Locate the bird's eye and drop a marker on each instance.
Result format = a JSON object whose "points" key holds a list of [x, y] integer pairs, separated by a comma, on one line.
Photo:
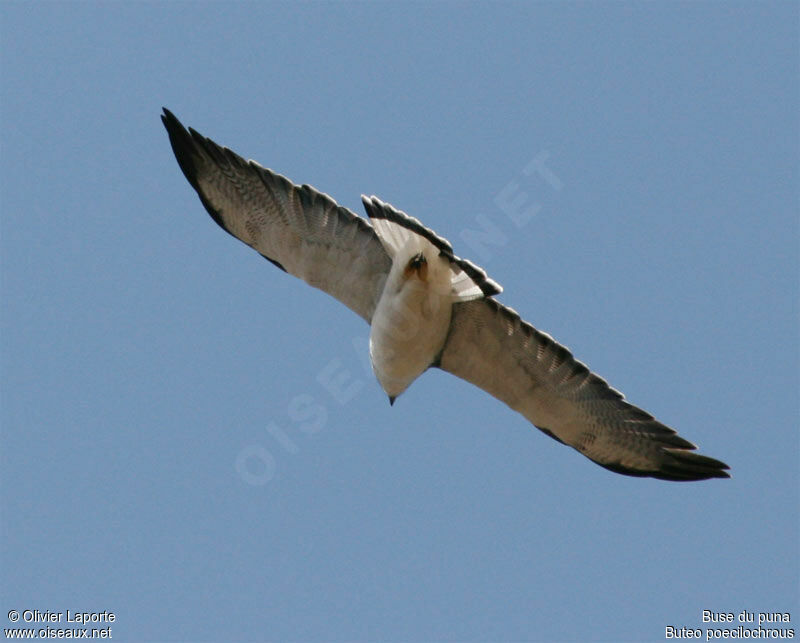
{"points": [[417, 260]]}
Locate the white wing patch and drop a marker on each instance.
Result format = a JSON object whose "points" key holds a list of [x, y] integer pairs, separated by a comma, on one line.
{"points": [[393, 236], [464, 288]]}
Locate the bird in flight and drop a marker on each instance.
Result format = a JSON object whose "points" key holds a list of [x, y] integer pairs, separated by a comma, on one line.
{"points": [[428, 308]]}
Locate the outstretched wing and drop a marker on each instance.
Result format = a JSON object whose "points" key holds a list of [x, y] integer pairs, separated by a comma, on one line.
{"points": [[300, 230], [490, 346]]}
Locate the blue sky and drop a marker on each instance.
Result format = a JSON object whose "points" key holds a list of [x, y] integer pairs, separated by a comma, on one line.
{"points": [[155, 460]]}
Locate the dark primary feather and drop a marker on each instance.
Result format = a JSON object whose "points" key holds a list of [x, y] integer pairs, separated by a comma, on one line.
{"points": [[299, 229]]}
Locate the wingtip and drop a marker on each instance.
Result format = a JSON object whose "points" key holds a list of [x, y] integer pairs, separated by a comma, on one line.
{"points": [[182, 146], [695, 466], [681, 465], [168, 118], [192, 150]]}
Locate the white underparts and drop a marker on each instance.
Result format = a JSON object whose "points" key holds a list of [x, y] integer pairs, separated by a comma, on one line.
{"points": [[412, 318]]}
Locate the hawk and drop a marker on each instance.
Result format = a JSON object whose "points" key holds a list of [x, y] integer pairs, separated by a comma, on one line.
{"points": [[427, 308]]}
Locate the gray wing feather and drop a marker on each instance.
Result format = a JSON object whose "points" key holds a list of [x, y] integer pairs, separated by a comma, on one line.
{"points": [[300, 230], [491, 347]]}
